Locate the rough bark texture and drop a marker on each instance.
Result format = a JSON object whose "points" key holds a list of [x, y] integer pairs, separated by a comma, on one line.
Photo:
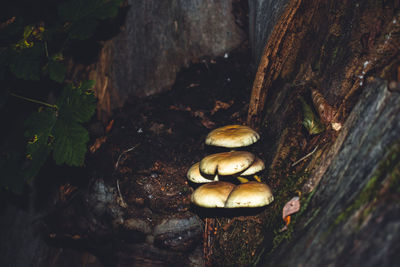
{"points": [[333, 45], [353, 217], [263, 15], [157, 40], [349, 181]]}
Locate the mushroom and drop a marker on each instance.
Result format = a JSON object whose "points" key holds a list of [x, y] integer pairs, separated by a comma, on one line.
{"points": [[232, 136], [212, 195], [226, 163], [257, 166], [194, 175], [249, 195]]}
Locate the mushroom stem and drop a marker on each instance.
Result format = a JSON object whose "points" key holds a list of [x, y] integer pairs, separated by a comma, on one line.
{"points": [[242, 180], [257, 178]]}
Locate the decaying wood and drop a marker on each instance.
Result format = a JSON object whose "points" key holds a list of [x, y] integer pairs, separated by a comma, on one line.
{"points": [[106, 93], [337, 46], [271, 64], [326, 112], [314, 40]]}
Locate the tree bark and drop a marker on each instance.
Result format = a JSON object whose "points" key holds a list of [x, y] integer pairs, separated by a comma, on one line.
{"points": [[349, 182]]}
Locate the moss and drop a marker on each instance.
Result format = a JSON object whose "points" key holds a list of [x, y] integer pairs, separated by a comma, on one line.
{"points": [[292, 186], [364, 197], [384, 181]]}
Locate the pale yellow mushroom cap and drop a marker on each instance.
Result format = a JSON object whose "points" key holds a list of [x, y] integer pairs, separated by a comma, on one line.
{"points": [[249, 195], [226, 163], [212, 195], [257, 166], [232, 136], [195, 175]]}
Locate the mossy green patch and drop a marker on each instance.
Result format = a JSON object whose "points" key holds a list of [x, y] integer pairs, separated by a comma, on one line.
{"points": [[292, 185], [384, 181]]}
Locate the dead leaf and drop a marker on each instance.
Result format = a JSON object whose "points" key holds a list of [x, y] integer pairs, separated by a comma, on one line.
{"points": [[109, 126], [97, 144], [221, 105], [291, 207], [66, 190]]}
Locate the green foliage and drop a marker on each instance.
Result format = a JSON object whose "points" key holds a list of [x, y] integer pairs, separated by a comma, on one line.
{"points": [[384, 181], [83, 16], [27, 54], [56, 70], [60, 129], [34, 52], [310, 121], [26, 64]]}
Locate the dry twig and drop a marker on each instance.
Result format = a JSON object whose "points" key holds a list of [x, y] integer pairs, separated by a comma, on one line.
{"points": [[306, 156]]}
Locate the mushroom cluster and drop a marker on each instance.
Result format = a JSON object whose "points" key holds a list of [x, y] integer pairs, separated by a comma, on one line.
{"points": [[239, 164]]}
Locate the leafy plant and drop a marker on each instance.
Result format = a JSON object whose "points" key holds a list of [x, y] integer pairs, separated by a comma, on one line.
{"points": [[34, 51]]}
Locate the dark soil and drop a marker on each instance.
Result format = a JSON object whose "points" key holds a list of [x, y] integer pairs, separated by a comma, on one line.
{"points": [[166, 132]]}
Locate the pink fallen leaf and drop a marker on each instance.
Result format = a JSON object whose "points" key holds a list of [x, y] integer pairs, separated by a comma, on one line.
{"points": [[291, 207]]}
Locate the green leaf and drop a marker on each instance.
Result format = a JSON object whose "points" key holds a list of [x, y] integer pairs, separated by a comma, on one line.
{"points": [[40, 123], [83, 16], [108, 10], [87, 85], [40, 126], [75, 10], [60, 130], [57, 70], [25, 64], [77, 103], [83, 29], [70, 143], [310, 121]]}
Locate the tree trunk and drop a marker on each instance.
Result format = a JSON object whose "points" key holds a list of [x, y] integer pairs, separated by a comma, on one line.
{"points": [[157, 40], [326, 55]]}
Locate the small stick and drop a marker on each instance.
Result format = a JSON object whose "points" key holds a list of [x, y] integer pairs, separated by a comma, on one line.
{"points": [[123, 203], [123, 153], [306, 156]]}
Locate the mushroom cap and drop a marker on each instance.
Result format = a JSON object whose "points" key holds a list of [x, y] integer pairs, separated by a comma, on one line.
{"points": [[226, 163], [249, 195], [256, 166], [194, 175], [212, 195], [232, 136]]}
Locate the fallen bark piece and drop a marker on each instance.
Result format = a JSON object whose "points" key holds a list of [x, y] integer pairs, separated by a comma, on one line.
{"points": [[326, 112]]}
